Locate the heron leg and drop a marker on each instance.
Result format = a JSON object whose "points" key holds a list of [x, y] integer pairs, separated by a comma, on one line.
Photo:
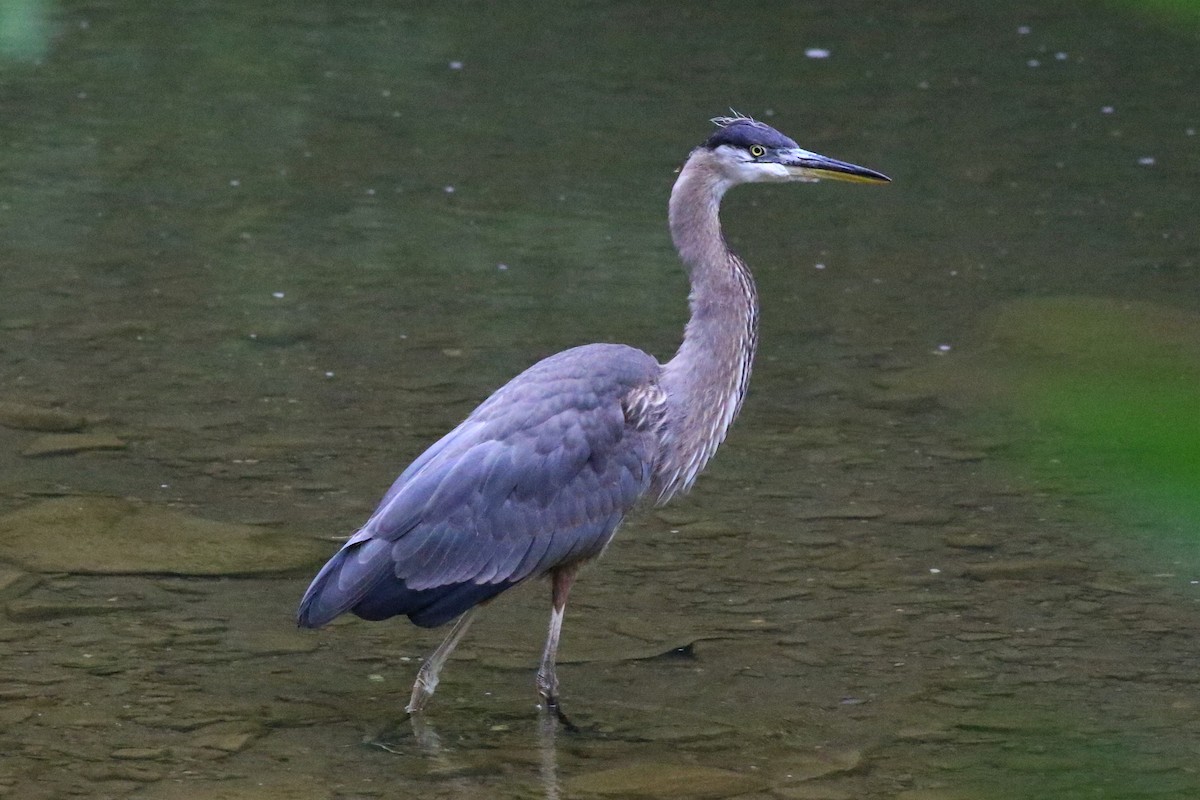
{"points": [[561, 581], [427, 676]]}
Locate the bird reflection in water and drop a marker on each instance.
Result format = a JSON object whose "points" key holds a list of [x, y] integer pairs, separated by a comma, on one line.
{"points": [[400, 739]]}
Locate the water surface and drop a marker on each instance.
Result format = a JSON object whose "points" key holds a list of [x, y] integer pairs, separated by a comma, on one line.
{"points": [[276, 250]]}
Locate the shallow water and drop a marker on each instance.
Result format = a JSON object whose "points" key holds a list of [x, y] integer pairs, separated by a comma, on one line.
{"points": [[276, 251]]}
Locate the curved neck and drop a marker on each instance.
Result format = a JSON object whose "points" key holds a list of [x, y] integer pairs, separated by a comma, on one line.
{"points": [[706, 380]]}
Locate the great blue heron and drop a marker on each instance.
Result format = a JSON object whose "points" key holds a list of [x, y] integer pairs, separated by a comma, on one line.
{"points": [[536, 480]]}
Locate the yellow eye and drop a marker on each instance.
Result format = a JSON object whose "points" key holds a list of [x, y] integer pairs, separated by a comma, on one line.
{"points": [[757, 150]]}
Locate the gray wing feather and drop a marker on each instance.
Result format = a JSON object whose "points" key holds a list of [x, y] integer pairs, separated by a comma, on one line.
{"points": [[539, 475]]}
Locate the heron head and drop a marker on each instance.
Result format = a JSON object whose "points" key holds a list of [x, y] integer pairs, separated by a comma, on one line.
{"points": [[749, 151]]}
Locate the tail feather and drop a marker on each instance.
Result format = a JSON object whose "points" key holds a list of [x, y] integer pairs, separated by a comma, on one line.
{"points": [[360, 578], [348, 577]]}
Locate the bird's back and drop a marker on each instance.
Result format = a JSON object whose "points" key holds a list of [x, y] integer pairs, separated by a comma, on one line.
{"points": [[538, 476]]}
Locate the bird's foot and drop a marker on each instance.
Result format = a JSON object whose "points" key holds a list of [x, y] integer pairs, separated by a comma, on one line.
{"points": [[548, 690], [552, 710]]}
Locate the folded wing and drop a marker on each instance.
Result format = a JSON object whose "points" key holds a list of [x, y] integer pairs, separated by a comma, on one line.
{"points": [[538, 476]]}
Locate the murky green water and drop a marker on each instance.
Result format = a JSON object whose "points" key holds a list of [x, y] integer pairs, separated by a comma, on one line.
{"points": [[275, 249]]}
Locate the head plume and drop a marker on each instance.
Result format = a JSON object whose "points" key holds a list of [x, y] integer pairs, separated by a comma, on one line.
{"points": [[740, 130]]}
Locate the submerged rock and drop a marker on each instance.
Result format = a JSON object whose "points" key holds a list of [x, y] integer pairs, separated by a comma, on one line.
{"points": [[824, 763], [1029, 569], [35, 610], [848, 511], [34, 418], [266, 787], [645, 781], [140, 754], [814, 792], [970, 540], [11, 715], [108, 535], [128, 772], [231, 737], [15, 582], [65, 444]]}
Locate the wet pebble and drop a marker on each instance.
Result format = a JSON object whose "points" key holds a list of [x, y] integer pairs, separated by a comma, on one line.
{"points": [[34, 418], [648, 781], [64, 444]]}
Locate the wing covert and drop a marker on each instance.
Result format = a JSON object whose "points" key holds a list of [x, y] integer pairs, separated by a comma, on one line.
{"points": [[539, 475]]}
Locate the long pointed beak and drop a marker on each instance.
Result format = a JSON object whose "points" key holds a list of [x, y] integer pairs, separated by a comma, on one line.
{"points": [[807, 166]]}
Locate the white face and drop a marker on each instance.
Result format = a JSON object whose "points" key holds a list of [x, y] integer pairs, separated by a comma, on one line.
{"points": [[742, 167]]}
